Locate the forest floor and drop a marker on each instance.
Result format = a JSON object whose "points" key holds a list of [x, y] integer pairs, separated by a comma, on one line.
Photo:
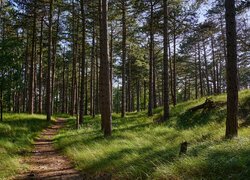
{"points": [[140, 148], [47, 163]]}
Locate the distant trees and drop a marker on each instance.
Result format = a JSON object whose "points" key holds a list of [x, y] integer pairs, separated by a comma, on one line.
{"points": [[160, 53]]}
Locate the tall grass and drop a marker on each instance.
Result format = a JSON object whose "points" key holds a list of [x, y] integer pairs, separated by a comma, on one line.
{"points": [[141, 149], [17, 132]]}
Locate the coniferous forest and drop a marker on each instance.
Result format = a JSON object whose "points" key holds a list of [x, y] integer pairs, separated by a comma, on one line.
{"points": [[124, 89]]}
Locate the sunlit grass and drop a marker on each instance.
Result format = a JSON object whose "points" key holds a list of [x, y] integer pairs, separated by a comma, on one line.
{"points": [[142, 149], [17, 132]]}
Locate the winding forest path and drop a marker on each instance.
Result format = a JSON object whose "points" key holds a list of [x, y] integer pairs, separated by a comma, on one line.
{"points": [[46, 162]]}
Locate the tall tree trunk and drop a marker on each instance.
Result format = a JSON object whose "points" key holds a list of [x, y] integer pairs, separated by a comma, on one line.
{"points": [[86, 90], [92, 72], [73, 79], [206, 66], [150, 99], [81, 110], [40, 101], [97, 104], [138, 90], [54, 49], [63, 83], [105, 92], [111, 64], [174, 66], [196, 73], [145, 95], [165, 64], [231, 71], [48, 91], [200, 70], [1, 101], [154, 79], [214, 65], [124, 36], [32, 62]]}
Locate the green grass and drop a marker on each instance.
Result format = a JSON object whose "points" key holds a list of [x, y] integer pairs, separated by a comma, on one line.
{"points": [[17, 132], [141, 149]]}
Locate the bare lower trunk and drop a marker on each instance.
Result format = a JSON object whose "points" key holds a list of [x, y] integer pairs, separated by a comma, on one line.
{"points": [[231, 71]]}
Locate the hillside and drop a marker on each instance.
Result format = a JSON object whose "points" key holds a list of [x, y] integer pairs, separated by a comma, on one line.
{"points": [[140, 148]]}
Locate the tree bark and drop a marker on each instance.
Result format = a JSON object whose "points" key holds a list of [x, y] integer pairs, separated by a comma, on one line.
{"points": [[81, 110], [206, 67], [165, 64], [124, 36], [32, 62], [231, 71], [40, 98], [150, 99], [200, 70], [48, 90], [105, 92], [214, 65]]}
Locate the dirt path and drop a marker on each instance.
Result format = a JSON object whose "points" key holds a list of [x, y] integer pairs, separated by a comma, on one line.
{"points": [[45, 162]]}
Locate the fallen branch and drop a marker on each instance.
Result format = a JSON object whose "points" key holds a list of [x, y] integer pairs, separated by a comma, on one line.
{"points": [[207, 105]]}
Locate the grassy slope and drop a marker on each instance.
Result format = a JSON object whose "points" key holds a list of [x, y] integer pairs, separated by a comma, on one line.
{"points": [[16, 135], [142, 149]]}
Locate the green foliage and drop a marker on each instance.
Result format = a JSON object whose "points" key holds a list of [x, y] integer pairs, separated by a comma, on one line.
{"points": [[142, 149], [16, 136]]}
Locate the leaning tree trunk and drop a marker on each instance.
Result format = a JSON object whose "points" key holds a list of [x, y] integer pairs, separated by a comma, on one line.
{"points": [[231, 71]]}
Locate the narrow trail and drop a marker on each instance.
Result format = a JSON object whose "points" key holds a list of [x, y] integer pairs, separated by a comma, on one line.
{"points": [[47, 163]]}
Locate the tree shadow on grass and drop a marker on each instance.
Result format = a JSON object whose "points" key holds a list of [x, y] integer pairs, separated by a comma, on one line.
{"points": [[144, 163], [227, 164], [190, 119]]}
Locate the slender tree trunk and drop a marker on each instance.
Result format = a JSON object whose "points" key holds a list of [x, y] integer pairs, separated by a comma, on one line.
{"points": [[97, 105], [231, 71], [145, 95], [138, 96], [48, 93], [55, 39], [32, 62], [154, 80], [165, 64], [196, 73], [81, 112], [206, 67], [40, 106], [111, 64], [214, 65], [105, 92], [174, 66], [124, 36], [86, 90], [1, 102], [63, 83], [200, 70], [73, 79], [92, 73], [129, 94], [150, 100]]}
